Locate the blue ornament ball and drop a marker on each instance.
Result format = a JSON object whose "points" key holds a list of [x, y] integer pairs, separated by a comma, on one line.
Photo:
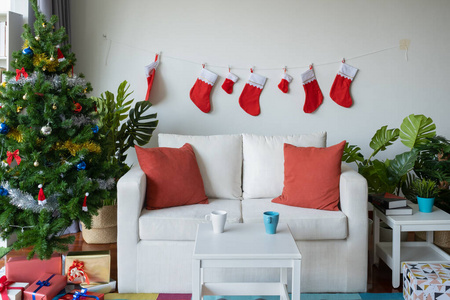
{"points": [[3, 191], [27, 51], [4, 129], [81, 166], [95, 129]]}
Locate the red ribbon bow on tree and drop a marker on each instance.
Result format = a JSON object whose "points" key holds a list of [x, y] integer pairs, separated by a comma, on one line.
{"points": [[4, 287], [13, 155], [21, 72], [77, 270]]}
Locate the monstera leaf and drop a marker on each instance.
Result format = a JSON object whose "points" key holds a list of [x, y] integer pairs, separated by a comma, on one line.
{"points": [[415, 130], [352, 153], [383, 138], [138, 129]]}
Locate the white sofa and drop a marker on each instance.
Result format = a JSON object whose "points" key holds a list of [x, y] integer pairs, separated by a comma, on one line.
{"points": [[241, 174]]}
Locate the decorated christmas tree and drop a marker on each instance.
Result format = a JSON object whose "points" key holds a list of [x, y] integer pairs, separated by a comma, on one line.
{"points": [[53, 170]]}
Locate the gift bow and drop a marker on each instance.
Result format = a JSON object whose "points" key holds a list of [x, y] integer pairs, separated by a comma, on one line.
{"points": [[13, 155], [77, 270], [4, 287], [41, 284], [21, 72], [82, 293]]}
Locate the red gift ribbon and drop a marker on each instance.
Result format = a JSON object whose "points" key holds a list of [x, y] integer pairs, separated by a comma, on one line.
{"points": [[13, 155], [5, 286], [21, 72], [77, 270]]}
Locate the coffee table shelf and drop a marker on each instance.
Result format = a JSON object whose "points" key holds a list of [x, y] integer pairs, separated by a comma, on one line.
{"points": [[245, 246]]}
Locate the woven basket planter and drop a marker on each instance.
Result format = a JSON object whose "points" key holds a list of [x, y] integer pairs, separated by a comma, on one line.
{"points": [[441, 239], [104, 227]]}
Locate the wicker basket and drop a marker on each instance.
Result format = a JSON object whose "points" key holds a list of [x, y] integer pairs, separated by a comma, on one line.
{"points": [[104, 227], [441, 239]]}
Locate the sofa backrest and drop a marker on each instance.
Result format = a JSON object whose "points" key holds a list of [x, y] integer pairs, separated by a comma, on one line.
{"points": [[219, 158], [263, 165]]}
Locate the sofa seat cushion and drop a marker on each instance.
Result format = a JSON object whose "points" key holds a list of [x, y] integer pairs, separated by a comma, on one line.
{"points": [[263, 161], [305, 223], [180, 223], [219, 158]]}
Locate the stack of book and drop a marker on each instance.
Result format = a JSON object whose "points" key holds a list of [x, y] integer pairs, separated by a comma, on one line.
{"points": [[390, 205]]}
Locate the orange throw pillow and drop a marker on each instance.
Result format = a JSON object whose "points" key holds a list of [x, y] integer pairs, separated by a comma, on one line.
{"points": [[311, 177], [173, 177]]}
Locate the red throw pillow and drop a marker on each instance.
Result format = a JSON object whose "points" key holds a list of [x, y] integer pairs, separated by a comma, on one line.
{"points": [[173, 177], [311, 176]]}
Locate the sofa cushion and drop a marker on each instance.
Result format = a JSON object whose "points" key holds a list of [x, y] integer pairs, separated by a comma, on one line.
{"points": [[305, 223], [311, 177], [173, 177], [263, 165], [180, 223], [219, 158]]}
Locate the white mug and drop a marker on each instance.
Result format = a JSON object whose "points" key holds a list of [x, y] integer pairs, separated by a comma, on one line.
{"points": [[217, 218]]}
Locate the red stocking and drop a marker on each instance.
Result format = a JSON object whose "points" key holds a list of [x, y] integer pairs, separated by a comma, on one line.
{"points": [[284, 84], [228, 84], [313, 94], [150, 73], [200, 92], [340, 90], [249, 99]]}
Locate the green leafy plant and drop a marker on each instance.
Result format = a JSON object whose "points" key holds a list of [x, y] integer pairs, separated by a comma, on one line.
{"points": [[391, 175], [425, 188], [118, 137]]}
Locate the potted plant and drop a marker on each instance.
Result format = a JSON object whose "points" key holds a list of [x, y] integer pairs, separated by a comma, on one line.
{"points": [[426, 191], [116, 139], [433, 163], [391, 175]]}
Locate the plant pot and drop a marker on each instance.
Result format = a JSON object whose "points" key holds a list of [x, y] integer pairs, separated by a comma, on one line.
{"points": [[104, 227], [425, 204]]}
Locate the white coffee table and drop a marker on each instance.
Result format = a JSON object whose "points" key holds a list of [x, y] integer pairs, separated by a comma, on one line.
{"points": [[245, 246], [396, 252]]}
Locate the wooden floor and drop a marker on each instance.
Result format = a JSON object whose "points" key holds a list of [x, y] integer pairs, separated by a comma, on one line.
{"points": [[379, 277]]}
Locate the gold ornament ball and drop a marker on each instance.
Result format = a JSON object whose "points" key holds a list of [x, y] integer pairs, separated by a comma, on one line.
{"points": [[52, 58], [19, 109], [36, 164], [44, 68], [43, 25], [24, 97], [37, 38], [54, 107]]}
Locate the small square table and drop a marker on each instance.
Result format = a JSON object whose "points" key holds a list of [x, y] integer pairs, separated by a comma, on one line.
{"points": [[245, 246], [396, 252]]}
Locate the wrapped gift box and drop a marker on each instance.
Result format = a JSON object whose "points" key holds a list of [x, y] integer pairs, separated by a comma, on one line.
{"points": [[46, 287], [13, 289], [426, 281], [82, 294], [103, 288], [21, 269], [96, 265]]}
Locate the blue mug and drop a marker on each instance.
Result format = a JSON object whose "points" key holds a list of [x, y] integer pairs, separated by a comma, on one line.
{"points": [[271, 221]]}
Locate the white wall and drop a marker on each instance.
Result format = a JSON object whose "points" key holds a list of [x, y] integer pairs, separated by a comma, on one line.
{"points": [[270, 34]]}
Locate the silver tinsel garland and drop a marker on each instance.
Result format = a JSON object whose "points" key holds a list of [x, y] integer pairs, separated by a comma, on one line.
{"points": [[26, 201], [55, 80], [106, 184]]}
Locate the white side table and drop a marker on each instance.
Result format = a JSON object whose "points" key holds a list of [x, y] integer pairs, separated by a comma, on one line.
{"points": [[396, 252], [245, 246]]}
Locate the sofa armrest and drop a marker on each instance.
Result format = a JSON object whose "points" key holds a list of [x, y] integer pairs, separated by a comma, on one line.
{"points": [[131, 190], [353, 200]]}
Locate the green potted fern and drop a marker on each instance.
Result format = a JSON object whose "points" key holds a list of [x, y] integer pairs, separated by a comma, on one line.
{"points": [[120, 127], [426, 191]]}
